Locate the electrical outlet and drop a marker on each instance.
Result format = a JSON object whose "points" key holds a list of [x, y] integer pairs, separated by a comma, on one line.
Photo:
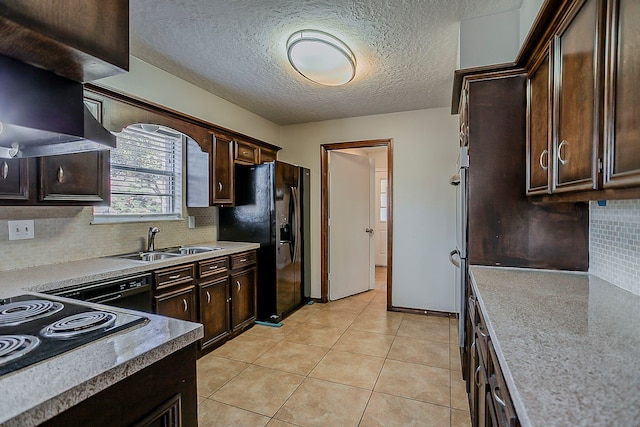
{"points": [[191, 221], [19, 230]]}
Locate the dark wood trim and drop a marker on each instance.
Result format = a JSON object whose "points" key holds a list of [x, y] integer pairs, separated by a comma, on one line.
{"points": [[174, 114], [324, 211], [485, 72], [424, 312]]}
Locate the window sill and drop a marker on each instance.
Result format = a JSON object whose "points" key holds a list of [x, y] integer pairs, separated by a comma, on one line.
{"points": [[123, 219]]}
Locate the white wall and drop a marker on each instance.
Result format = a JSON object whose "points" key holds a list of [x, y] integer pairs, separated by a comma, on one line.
{"points": [[425, 144], [153, 84], [528, 13], [491, 39]]}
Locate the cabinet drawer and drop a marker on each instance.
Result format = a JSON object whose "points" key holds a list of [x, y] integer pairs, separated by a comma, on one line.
{"points": [[173, 276], [212, 267], [245, 153], [242, 260], [482, 336], [267, 155]]}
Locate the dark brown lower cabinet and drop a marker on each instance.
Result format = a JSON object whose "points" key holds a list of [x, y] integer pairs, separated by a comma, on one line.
{"points": [[243, 298], [214, 310], [177, 302], [162, 394], [489, 400]]}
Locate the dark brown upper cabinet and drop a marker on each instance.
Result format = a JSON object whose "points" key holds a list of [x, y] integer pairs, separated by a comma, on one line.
{"points": [[14, 179], [622, 88], [539, 126], [78, 39], [223, 170], [576, 94]]}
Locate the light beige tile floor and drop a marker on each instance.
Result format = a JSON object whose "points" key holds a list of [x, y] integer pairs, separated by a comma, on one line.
{"points": [[346, 363]]}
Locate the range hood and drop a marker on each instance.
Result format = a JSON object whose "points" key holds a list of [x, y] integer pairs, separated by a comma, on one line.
{"points": [[43, 114]]}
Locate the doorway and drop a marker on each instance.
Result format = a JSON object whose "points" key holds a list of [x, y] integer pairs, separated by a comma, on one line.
{"points": [[326, 149]]}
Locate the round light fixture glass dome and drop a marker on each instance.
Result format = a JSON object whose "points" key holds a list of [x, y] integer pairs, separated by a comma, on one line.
{"points": [[320, 57]]}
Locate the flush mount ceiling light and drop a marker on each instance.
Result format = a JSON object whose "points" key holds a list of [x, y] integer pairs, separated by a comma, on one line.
{"points": [[321, 57]]}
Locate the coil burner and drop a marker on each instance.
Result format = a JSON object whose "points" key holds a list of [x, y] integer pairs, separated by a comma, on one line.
{"points": [[15, 313], [15, 346], [79, 324]]}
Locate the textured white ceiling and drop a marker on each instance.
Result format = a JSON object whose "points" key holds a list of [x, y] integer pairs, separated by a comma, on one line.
{"points": [[406, 51]]}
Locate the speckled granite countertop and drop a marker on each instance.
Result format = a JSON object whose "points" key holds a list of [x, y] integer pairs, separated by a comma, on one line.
{"points": [[37, 393], [568, 344]]}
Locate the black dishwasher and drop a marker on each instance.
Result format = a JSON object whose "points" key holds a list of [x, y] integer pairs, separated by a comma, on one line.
{"points": [[132, 292]]}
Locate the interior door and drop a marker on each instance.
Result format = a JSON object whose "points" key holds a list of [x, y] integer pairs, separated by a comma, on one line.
{"points": [[380, 216], [350, 243]]}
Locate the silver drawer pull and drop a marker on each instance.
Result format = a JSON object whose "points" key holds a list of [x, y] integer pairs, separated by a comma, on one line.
{"points": [[560, 147], [219, 186], [208, 297], [243, 260], [177, 276], [184, 304], [475, 376], [238, 284], [494, 393], [213, 267], [60, 175], [228, 300], [544, 154], [4, 170]]}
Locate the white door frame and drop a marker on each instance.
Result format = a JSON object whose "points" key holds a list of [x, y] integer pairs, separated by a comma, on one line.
{"points": [[324, 211]]}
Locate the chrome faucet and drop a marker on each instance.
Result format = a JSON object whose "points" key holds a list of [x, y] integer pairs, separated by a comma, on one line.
{"points": [[151, 238]]}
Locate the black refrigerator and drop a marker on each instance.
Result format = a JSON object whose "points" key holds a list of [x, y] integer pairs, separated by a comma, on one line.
{"points": [[272, 208]]}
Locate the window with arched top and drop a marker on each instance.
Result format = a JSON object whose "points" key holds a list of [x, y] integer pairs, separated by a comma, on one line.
{"points": [[146, 175]]}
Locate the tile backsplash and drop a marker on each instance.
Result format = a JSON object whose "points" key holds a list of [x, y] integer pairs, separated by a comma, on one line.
{"points": [[65, 234], [614, 243]]}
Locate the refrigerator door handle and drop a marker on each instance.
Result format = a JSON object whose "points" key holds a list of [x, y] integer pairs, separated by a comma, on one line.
{"points": [[295, 221], [452, 259]]}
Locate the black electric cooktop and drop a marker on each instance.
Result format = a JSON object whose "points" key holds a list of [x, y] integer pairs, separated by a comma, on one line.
{"points": [[33, 329]]}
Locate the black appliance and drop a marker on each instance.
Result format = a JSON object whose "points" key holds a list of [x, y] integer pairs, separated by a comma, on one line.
{"points": [[272, 208], [33, 328], [133, 292], [46, 114]]}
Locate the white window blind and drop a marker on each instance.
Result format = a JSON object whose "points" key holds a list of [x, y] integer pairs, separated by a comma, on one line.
{"points": [[146, 175]]}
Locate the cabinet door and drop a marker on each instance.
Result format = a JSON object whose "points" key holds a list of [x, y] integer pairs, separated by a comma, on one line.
{"points": [[245, 153], [267, 155], [214, 309], [622, 88], [222, 170], [82, 177], [14, 177], [243, 298], [178, 304], [538, 126], [576, 94]]}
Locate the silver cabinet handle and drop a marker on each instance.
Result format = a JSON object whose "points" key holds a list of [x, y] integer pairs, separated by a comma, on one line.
{"points": [[174, 277], [208, 297], [475, 376], [213, 267], [451, 255], [544, 154], [560, 147], [238, 284], [482, 334], [60, 175], [4, 170], [184, 304], [494, 392], [228, 300], [219, 186], [243, 260]]}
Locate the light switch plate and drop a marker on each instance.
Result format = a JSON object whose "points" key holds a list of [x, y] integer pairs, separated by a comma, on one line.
{"points": [[20, 230], [191, 221]]}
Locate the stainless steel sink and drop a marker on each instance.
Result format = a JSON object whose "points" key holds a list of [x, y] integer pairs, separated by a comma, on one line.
{"points": [[149, 256], [166, 253], [188, 250]]}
